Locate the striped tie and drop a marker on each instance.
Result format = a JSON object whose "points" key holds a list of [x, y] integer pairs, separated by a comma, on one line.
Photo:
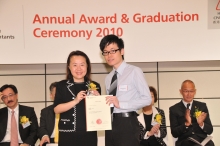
{"points": [[56, 138], [14, 130], [113, 87]]}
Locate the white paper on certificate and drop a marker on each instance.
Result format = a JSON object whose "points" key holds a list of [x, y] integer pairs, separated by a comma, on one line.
{"points": [[98, 113]]}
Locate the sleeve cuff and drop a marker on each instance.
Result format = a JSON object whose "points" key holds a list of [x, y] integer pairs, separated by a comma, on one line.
{"points": [[44, 136], [145, 136], [202, 127]]}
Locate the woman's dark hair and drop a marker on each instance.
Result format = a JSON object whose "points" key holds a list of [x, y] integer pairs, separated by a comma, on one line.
{"points": [[69, 76], [154, 91]]}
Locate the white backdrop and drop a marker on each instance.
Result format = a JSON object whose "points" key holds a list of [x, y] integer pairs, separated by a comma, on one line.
{"points": [[25, 39]]}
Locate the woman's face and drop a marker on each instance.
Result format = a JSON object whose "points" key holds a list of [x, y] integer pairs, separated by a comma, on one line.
{"points": [[78, 68], [152, 95]]}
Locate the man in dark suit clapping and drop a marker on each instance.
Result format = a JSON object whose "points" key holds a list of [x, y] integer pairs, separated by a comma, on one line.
{"points": [[18, 123], [46, 131], [190, 118]]}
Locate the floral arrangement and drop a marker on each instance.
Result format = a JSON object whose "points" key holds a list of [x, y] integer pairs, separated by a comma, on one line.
{"points": [[24, 120], [197, 112], [91, 86], [158, 118]]}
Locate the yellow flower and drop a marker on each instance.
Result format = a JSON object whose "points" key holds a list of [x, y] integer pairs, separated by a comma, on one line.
{"points": [[197, 112], [92, 86], [158, 118], [24, 119]]}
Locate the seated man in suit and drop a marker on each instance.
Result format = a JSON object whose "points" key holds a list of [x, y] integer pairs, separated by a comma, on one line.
{"points": [[190, 118], [18, 123], [46, 131]]}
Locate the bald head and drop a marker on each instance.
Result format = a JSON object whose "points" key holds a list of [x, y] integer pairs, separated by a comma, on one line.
{"points": [[188, 90], [187, 82]]}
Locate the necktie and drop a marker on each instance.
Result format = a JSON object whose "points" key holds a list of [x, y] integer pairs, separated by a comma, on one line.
{"points": [[188, 105], [14, 130], [113, 87], [56, 138]]}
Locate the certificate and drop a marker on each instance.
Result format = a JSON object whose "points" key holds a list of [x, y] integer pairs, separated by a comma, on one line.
{"points": [[98, 113]]}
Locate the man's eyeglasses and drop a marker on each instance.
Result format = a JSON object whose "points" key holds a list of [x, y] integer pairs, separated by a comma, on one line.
{"points": [[5, 96], [188, 91], [109, 52]]}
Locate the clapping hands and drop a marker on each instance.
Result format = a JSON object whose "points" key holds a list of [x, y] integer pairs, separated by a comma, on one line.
{"points": [[201, 118], [188, 118]]}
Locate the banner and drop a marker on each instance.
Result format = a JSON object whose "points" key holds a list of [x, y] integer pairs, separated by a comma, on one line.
{"points": [[153, 30]]}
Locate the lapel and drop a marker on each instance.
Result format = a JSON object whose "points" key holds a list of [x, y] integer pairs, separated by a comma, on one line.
{"points": [[141, 116], [21, 113], [181, 108], [4, 119], [154, 113], [192, 111], [141, 119], [70, 86]]}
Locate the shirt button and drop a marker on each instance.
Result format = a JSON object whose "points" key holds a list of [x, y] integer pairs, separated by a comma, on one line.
{"points": [[64, 122], [193, 133], [73, 123], [73, 114]]}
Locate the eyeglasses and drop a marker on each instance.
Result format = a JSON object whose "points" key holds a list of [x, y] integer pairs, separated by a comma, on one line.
{"points": [[4, 97], [109, 52], [188, 91]]}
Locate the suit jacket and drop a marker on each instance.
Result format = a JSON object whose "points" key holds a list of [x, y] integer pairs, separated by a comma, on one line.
{"points": [[177, 122], [47, 121], [163, 129], [28, 134]]}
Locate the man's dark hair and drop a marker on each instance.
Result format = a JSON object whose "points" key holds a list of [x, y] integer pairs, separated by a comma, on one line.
{"points": [[9, 86], [111, 39], [154, 91], [52, 85]]}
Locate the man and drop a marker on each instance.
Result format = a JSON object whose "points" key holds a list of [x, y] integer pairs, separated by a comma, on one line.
{"points": [[130, 93], [46, 131], [18, 123], [190, 118]]}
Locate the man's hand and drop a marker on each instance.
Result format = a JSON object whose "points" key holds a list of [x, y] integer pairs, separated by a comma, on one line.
{"points": [[188, 118], [201, 118], [112, 99], [44, 140]]}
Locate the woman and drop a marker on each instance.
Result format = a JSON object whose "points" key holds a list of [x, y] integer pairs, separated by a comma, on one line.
{"points": [[70, 102], [152, 123]]}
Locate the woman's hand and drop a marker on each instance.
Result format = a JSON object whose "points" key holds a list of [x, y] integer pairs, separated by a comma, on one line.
{"points": [[80, 96], [95, 92], [154, 130]]}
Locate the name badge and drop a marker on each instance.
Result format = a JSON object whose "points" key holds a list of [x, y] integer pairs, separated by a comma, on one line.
{"points": [[123, 88], [26, 124]]}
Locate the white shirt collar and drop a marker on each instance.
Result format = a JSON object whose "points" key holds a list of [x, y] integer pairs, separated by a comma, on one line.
{"points": [[185, 104], [16, 109]]}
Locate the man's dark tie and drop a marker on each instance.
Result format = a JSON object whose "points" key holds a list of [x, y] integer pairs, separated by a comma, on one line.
{"points": [[188, 105], [113, 87]]}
